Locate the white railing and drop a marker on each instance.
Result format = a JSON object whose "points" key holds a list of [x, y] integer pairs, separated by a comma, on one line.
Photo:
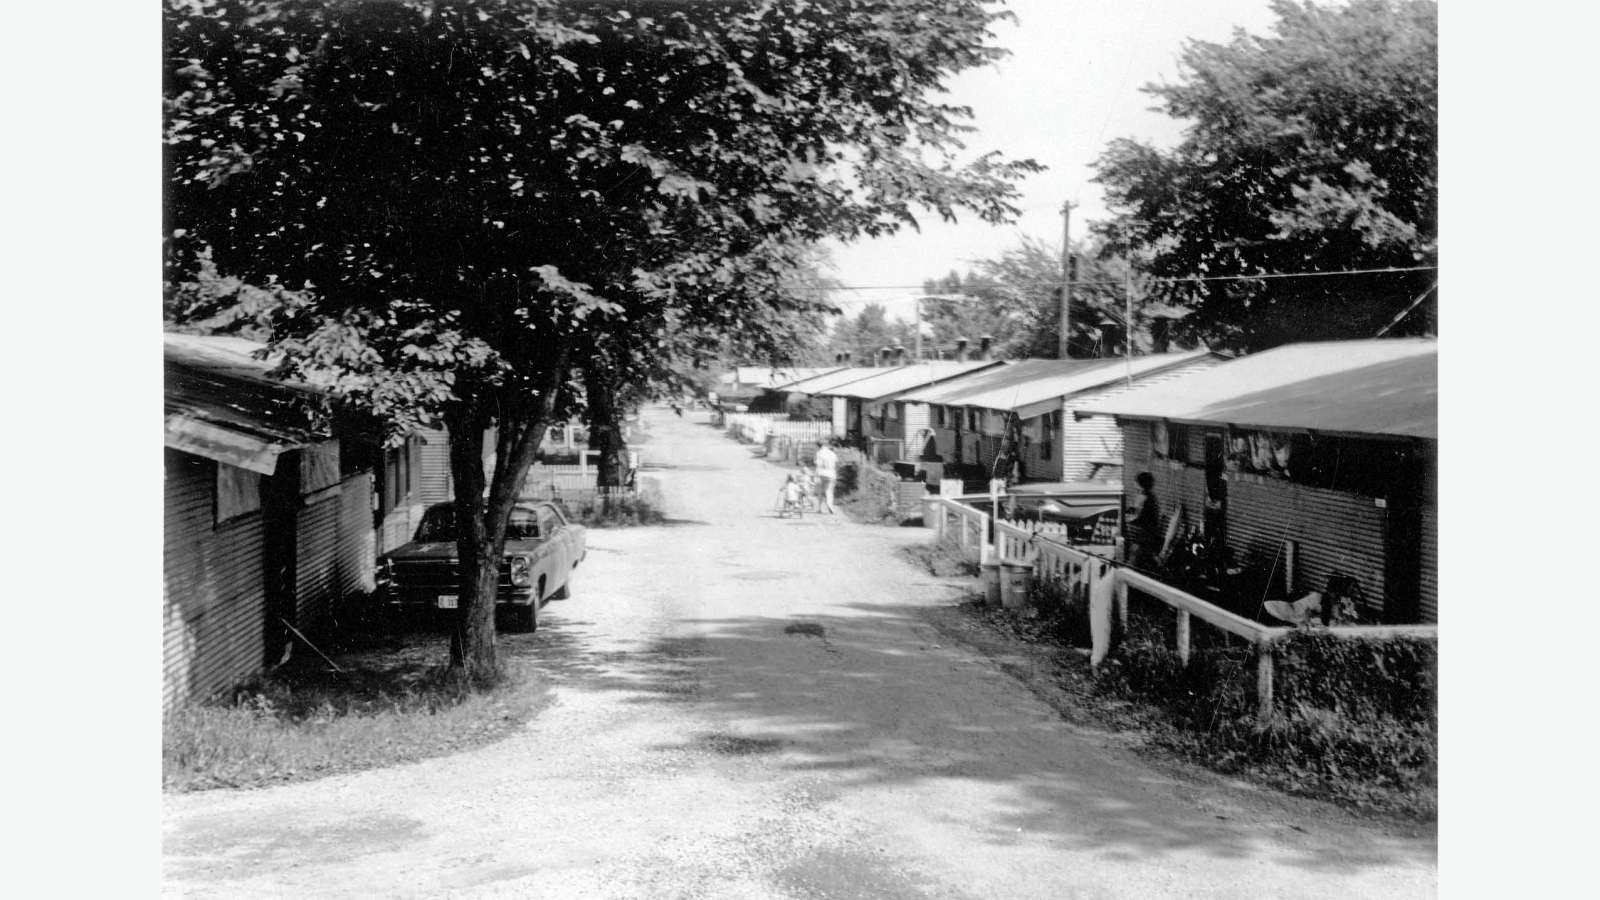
{"points": [[967, 526], [1052, 557]]}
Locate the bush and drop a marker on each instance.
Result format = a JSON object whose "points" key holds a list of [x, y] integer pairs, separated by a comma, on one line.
{"points": [[1356, 720], [1060, 615], [642, 507]]}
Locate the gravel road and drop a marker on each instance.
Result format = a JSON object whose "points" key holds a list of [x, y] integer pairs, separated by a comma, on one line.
{"points": [[754, 707]]}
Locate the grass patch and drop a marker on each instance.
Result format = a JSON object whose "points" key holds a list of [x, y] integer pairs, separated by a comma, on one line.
{"points": [[866, 491], [942, 558], [643, 507], [395, 702]]}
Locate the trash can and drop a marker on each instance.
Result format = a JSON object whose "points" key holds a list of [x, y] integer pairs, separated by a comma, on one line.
{"points": [[1016, 580], [989, 578]]}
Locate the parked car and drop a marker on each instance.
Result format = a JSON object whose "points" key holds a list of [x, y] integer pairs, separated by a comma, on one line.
{"points": [[542, 549], [1088, 509]]}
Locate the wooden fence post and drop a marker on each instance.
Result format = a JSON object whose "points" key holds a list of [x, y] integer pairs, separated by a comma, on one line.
{"points": [[1263, 680], [1183, 636], [1122, 604]]}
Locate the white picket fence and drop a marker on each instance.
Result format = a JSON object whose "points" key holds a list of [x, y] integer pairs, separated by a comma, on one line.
{"points": [[1050, 557], [753, 428]]}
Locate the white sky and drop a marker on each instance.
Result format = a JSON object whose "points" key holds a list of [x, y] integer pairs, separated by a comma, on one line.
{"points": [[1070, 86]]}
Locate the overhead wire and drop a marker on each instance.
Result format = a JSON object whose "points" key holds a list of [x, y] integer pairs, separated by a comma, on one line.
{"points": [[1184, 279]]}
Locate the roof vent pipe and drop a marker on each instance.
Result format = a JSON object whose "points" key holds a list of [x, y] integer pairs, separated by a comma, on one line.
{"points": [[961, 349], [845, 357], [985, 346], [884, 354], [900, 355]]}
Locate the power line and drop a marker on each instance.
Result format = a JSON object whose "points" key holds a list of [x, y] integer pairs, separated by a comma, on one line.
{"points": [[1162, 280]]}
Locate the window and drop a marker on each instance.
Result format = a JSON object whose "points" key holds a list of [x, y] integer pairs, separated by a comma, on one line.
{"points": [[1049, 423], [938, 416], [892, 411], [238, 492]]}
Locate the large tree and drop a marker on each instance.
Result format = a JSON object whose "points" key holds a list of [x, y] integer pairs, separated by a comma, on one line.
{"points": [[1312, 149], [460, 204]]}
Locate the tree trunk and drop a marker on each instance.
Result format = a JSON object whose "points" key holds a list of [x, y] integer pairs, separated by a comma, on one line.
{"points": [[472, 647], [483, 507], [605, 425]]}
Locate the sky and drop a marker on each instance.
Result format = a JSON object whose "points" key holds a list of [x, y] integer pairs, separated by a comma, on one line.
{"points": [[1071, 85]]}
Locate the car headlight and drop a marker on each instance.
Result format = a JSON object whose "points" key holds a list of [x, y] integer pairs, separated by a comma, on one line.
{"points": [[521, 571]]}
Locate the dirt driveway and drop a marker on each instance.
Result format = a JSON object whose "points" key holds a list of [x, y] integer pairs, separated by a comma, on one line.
{"points": [[748, 706]]}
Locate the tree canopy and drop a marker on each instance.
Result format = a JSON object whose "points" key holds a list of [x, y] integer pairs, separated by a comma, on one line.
{"points": [[457, 204], [1312, 149]]}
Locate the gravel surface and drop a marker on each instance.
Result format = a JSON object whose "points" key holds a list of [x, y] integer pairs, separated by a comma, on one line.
{"points": [[748, 706]]}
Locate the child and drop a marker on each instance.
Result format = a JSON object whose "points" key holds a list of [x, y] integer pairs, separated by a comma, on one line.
{"points": [[808, 487], [789, 496]]}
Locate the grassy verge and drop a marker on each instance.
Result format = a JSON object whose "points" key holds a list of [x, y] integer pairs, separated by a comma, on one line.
{"points": [[642, 508], [1376, 757], [867, 495], [394, 703]]}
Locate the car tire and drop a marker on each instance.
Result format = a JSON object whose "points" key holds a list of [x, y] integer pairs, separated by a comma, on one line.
{"points": [[524, 619], [566, 587]]}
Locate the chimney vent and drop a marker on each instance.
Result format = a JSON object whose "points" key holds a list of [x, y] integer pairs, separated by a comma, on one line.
{"points": [[961, 349], [884, 355], [985, 346]]}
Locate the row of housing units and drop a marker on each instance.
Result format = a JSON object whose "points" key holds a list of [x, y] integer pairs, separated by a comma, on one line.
{"points": [[276, 510], [1332, 446]]}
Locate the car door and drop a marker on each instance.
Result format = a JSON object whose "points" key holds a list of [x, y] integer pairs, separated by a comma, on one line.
{"points": [[557, 544]]}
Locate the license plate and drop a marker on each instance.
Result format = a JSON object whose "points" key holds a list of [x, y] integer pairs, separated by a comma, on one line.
{"points": [[448, 601]]}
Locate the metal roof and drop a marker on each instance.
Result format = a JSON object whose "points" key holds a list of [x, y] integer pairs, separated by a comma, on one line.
{"points": [[1027, 382], [770, 376], [1377, 387], [817, 383], [220, 403], [895, 379]]}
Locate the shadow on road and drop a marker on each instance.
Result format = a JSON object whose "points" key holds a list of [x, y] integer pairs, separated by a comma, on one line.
{"points": [[849, 695]]}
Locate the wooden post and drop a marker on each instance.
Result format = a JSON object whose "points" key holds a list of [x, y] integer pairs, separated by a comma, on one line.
{"points": [[1183, 636], [985, 549], [1122, 604], [1263, 680], [939, 516]]}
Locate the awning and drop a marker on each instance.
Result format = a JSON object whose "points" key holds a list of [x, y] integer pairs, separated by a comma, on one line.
{"points": [[235, 448]]}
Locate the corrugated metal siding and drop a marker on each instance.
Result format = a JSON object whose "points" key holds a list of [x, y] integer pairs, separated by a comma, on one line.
{"points": [[435, 485], [398, 526], [1429, 596], [1086, 440], [358, 545], [213, 591], [316, 559], [1336, 533]]}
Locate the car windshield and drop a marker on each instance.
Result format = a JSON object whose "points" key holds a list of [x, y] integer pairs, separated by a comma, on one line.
{"points": [[439, 524]]}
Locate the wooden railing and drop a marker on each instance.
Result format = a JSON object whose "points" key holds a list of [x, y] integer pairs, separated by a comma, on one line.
{"points": [[1052, 557], [969, 527], [754, 427]]}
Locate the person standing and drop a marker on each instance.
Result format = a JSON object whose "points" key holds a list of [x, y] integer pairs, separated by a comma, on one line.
{"points": [[1143, 531], [827, 474]]}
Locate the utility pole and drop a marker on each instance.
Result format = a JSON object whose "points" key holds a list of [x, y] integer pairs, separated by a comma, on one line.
{"points": [[1066, 277], [916, 329], [1127, 322]]}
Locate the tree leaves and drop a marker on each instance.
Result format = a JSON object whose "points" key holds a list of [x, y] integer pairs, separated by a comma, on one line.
{"points": [[1310, 149]]}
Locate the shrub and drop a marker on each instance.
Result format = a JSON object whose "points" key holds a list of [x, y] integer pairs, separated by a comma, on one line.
{"points": [[1060, 615], [642, 507], [1355, 719]]}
